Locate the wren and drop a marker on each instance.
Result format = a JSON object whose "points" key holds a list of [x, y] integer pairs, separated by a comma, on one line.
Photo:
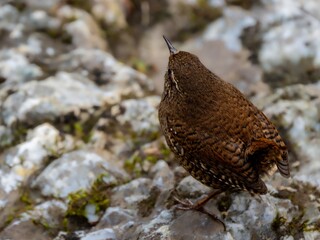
{"points": [[215, 133]]}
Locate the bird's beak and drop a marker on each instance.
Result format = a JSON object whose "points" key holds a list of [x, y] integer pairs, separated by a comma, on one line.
{"points": [[171, 48]]}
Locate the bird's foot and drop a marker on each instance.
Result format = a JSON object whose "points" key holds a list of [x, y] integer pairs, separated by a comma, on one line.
{"points": [[187, 204], [198, 206]]}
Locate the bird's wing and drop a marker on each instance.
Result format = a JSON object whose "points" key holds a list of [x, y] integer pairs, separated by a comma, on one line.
{"points": [[227, 158]]}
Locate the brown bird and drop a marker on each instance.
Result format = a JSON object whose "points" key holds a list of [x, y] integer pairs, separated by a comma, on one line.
{"points": [[215, 133]]}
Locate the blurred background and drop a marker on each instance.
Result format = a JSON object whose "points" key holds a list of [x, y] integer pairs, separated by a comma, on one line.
{"points": [[82, 154]]}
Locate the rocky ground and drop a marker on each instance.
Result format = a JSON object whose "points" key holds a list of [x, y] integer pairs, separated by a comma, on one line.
{"points": [[82, 156]]}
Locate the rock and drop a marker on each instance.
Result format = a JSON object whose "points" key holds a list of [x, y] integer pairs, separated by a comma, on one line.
{"points": [[54, 98], [132, 193], [163, 176], [28, 157], [190, 224], [84, 30], [9, 16], [33, 223], [116, 79], [157, 228], [15, 68], [110, 12], [41, 20], [114, 216], [21, 162], [61, 177], [120, 220], [6, 137], [44, 5], [191, 188], [230, 27], [287, 45], [103, 234], [140, 116]]}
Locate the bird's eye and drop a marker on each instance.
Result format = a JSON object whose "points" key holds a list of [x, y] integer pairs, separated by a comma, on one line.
{"points": [[169, 71]]}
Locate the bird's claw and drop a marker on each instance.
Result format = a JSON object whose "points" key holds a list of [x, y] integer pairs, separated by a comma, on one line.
{"points": [[189, 205]]}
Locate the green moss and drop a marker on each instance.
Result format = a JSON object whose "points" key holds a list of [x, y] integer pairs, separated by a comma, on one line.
{"points": [[298, 224], [165, 151], [9, 219], [295, 227], [141, 66], [134, 165], [24, 204], [97, 195], [28, 202], [42, 223], [277, 222], [79, 129], [152, 159]]}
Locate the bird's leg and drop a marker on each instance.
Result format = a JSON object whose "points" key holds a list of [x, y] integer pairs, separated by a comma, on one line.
{"points": [[198, 206], [188, 205]]}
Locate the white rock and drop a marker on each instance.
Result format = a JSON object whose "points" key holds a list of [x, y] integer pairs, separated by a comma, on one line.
{"points": [[74, 171]]}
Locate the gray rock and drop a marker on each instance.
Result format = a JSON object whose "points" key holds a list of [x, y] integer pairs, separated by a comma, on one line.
{"points": [[16, 68], [9, 16], [191, 188], [163, 175], [34, 222], [192, 225], [6, 137], [230, 27], [117, 79], [103, 234], [114, 216], [84, 30], [40, 20], [140, 115], [21, 161], [45, 5], [122, 221], [74, 171], [156, 228], [110, 12], [132, 193], [55, 97]]}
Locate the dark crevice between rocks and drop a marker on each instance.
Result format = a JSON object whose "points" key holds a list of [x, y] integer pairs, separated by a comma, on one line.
{"points": [[246, 4], [251, 39]]}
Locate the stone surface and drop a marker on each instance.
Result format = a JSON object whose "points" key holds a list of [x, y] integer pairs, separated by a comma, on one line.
{"points": [[191, 188], [28, 157], [130, 194], [75, 171], [138, 115], [48, 215], [58, 96]]}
